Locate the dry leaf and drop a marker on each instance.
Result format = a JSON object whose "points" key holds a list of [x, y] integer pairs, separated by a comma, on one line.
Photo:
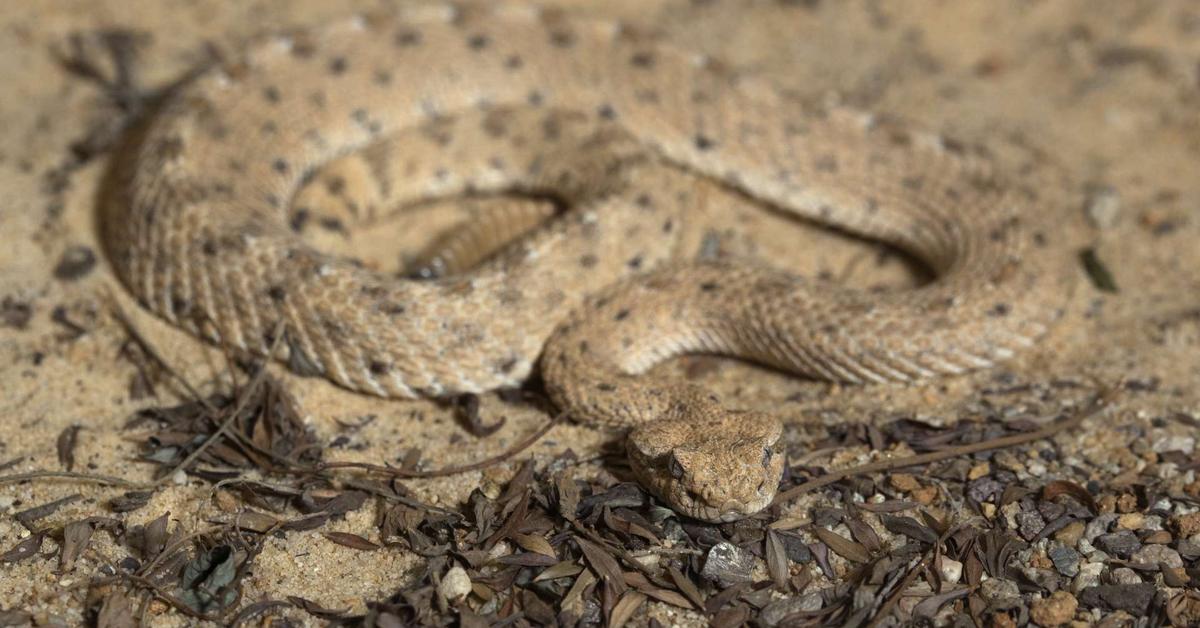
{"points": [[777, 559], [843, 546], [353, 541], [625, 608], [535, 543]]}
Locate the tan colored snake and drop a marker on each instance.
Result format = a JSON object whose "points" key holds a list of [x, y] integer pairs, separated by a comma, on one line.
{"points": [[610, 121]]}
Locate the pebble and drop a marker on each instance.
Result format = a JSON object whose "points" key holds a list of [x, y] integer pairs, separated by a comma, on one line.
{"points": [[949, 569], [1043, 578], [1124, 575], [1065, 559], [1070, 534], [728, 564], [1186, 525], [1131, 521], [979, 470], [1185, 444], [776, 612], [1000, 593], [1120, 544], [1089, 576], [1103, 206], [1132, 598], [1154, 555], [1055, 610], [1029, 523], [1098, 526], [904, 482], [1188, 548], [455, 585]]}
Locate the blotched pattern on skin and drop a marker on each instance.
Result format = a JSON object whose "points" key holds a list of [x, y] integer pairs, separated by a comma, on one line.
{"points": [[201, 234]]}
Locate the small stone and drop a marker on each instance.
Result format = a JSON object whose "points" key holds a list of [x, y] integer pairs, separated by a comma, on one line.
{"points": [[75, 262], [1003, 620], [1186, 525], [979, 470], [904, 482], [1103, 206], [1089, 576], [1098, 526], [1158, 537], [1036, 469], [1120, 544], [983, 489], [1131, 521], [925, 495], [455, 585], [1124, 575], [1132, 598], [989, 509], [1126, 503], [1188, 548], [1042, 578], [1156, 555], [776, 612], [1055, 610], [1005, 460], [1070, 534], [1184, 444], [1065, 559], [949, 569], [1001, 594], [728, 564], [1029, 523]]}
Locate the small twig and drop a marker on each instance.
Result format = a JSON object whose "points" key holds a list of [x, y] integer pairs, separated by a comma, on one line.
{"points": [[108, 480], [1101, 401], [437, 473]]}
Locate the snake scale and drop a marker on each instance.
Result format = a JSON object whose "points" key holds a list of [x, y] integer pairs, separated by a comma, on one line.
{"points": [[610, 120]]}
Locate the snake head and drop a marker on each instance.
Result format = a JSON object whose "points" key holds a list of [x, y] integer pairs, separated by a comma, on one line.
{"points": [[714, 469]]}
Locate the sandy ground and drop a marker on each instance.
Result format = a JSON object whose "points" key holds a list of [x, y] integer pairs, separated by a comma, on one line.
{"points": [[1108, 89]]}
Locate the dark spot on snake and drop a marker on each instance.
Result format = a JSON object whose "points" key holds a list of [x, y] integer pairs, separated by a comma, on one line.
{"points": [[668, 226], [273, 201], [337, 65], [299, 219], [208, 247], [332, 223], [335, 185], [271, 93], [621, 315], [76, 262], [280, 166], [406, 38], [179, 305], [871, 206], [514, 62], [634, 262], [953, 194], [1039, 239], [379, 368], [478, 42], [829, 329], [825, 211], [709, 286], [562, 38], [583, 347], [393, 309], [606, 112], [645, 201], [441, 174], [382, 77], [999, 310], [495, 125], [913, 183], [535, 98], [317, 99], [359, 115], [826, 163], [703, 142], [277, 293], [603, 387], [588, 260], [269, 128], [642, 60]]}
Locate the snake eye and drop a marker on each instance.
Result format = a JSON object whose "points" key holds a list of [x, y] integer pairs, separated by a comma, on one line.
{"points": [[766, 461], [675, 467]]}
